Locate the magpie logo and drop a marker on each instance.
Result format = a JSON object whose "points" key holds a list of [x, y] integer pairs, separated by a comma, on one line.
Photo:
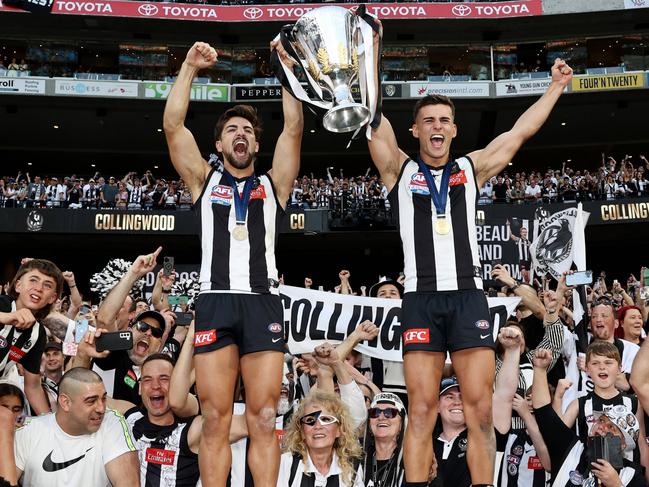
{"points": [[50, 466]]}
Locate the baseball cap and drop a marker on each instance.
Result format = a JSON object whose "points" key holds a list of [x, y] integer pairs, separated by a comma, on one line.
{"points": [[447, 384], [53, 346], [626, 422], [374, 290], [152, 314], [388, 398]]}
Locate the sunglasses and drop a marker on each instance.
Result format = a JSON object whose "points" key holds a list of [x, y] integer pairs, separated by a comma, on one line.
{"points": [[144, 327], [388, 413], [323, 419]]}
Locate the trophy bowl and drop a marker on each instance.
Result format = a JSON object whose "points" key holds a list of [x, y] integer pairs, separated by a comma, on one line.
{"points": [[326, 40]]}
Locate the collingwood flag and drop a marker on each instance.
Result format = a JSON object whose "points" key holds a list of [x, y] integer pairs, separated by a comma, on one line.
{"points": [[553, 250]]}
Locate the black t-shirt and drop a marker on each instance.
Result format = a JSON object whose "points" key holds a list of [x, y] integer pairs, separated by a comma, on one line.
{"points": [[500, 191], [520, 465], [24, 347], [452, 469], [121, 376]]}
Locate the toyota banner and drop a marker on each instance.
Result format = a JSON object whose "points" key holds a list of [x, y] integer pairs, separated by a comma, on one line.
{"points": [[288, 12]]}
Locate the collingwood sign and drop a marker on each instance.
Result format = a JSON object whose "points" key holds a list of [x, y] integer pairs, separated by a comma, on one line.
{"points": [[129, 222]]}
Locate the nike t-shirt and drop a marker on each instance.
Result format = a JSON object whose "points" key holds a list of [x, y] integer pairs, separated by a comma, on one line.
{"points": [[50, 457]]}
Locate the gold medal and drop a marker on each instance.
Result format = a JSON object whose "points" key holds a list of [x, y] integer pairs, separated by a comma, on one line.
{"points": [[240, 232], [442, 226]]}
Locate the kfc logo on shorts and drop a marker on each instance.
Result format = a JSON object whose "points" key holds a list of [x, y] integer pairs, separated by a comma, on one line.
{"points": [[416, 335], [275, 328], [204, 338], [482, 324]]}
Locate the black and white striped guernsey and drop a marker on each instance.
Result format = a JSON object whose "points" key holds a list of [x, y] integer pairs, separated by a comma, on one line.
{"points": [[435, 262], [239, 266], [165, 457]]}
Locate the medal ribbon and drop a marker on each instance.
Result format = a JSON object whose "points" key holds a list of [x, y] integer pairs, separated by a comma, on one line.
{"points": [[438, 197], [240, 201]]}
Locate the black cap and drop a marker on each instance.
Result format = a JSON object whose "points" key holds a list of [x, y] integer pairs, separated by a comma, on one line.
{"points": [[152, 314], [374, 290], [53, 346]]}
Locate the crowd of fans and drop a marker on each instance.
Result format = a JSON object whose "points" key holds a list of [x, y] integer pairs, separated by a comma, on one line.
{"points": [[341, 194], [340, 415]]}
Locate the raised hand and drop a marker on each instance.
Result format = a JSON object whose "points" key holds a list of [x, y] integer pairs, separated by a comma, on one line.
{"points": [[510, 337], [542, 358], [201, 55], [145, 263], [326, 354], [367, 331], [22, 319], [561, 72]]}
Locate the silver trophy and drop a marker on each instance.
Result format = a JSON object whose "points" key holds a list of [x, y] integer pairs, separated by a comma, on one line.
{"points": [[327, 43]]}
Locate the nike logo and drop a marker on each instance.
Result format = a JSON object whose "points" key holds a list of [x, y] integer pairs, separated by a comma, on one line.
{"points": [[485, 336], [50, 466], [275, 340]]}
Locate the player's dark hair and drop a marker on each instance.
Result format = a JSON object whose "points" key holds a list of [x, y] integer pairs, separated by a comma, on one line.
{"points": [[432, 100], [244, 111]]}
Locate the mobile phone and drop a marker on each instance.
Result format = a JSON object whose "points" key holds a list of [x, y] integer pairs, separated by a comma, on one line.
{"points": [[496, 262], [184, 319], [168, 266], [85, 309], [80, 330], [175, 300], [644, 293], [492, 293], [645, 277], [113, 341], [607, 448], [579, 278]]}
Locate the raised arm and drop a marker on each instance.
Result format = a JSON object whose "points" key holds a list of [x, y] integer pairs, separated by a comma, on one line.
{"points": [[507, 378], [640, 375], [182, 402], [183, 150], [111, 305], [495, 157]]}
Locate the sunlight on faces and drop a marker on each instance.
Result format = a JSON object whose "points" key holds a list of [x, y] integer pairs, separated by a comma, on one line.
{"points": [[385, 428], [154, 386], [435, 129], [603, 370], [53, 360], [238, 143], [36, 290], [84, 405], [603, 322], [450, 407], [13, 404], [144, 343], [319, 436], [632, 323]]}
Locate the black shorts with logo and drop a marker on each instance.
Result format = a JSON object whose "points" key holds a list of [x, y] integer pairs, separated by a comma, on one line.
{"points": [[446, 321], [253, 322]]}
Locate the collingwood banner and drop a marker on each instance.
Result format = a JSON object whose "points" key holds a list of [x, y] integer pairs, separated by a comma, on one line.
{"points": [[312, 317], [553, 249]]}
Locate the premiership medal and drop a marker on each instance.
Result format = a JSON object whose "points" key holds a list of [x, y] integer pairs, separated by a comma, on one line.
{"points": [[240, 232], [441, 225]]}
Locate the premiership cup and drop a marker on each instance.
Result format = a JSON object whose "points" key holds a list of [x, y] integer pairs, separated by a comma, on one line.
{"points": [[326, 42]]}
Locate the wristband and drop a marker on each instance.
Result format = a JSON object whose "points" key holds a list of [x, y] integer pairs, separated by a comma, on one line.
{"points": [[73, 285], [166, 291], [515, 286]]}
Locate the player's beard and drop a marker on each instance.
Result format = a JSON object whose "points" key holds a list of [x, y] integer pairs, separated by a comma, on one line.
{"points": [[237, 161]]}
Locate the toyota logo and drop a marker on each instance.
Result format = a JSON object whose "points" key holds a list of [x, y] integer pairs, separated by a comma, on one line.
{"points": [[147, 9], [253, 13], [461, 10]]}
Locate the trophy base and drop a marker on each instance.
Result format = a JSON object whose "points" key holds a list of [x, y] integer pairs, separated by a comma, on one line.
{"points": [[346, 118]]}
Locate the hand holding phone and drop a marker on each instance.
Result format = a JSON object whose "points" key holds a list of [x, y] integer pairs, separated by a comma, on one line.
{"points": [[579, 278], [168, 266], [114, 341]]}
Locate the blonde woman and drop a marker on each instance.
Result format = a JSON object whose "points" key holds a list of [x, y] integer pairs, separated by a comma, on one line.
{"points": [[321, 448]]}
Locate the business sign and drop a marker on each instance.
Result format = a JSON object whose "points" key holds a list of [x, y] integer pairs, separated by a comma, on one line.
{"points": [[22, 85], [258, 92], [636, 3], [517, 87], [289, 12], [607, 82], [472, 89], [199, 92], [39, 6], [111, 89]]}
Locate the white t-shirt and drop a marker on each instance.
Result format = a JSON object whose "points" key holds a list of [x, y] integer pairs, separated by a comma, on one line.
{"points": [[50, 457]]}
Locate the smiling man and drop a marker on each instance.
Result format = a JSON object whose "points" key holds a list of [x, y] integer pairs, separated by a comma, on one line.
{"points": [[36, 286], [83, 443], [239, 319], [433, 196]]}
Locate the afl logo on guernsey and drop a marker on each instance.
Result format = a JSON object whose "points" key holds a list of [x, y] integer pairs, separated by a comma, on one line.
{"points": [[221, 194], [418, 184]]}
